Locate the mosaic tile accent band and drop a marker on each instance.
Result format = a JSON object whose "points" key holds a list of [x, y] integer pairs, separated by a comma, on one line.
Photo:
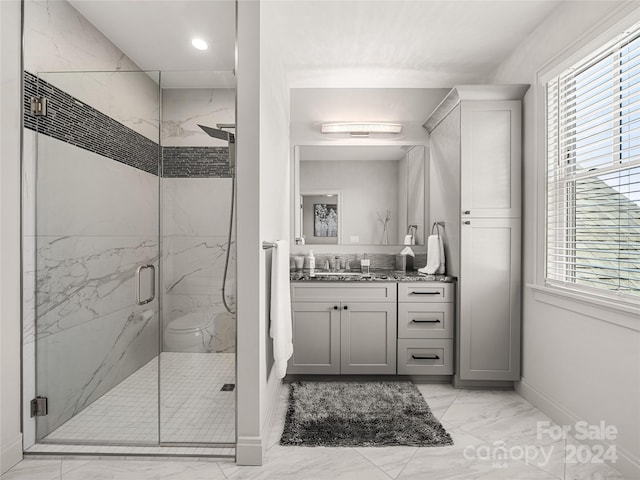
{"points": [[72, 121], [196, 162]]}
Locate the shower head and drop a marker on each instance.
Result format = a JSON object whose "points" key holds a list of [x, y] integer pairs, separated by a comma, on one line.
{"points": [[228, 137], [219, 134]]}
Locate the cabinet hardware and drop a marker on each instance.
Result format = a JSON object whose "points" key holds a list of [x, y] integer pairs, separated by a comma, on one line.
{"points": [[425, 357], [335, 307], [467, 212], [415, 320], [345, 307], [425, 293], [467, 222]]}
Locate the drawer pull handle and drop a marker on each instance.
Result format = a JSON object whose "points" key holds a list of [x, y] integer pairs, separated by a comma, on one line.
{"points": [[426, 293], [425, 357], [415, 320]]}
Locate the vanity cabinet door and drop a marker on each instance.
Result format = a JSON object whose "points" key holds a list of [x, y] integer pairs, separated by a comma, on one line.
{"points": [[316, 338], [368, 339]]}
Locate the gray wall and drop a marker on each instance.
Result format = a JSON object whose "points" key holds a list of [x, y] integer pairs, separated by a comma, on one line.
{"points": [[581, 360]]}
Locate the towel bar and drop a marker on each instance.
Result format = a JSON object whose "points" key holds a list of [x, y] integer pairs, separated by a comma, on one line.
{"points": [[268, 245]]}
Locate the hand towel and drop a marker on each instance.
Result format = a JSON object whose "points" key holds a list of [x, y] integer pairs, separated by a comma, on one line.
{"points": [[281, 328], [441, 269], [435, 256]]}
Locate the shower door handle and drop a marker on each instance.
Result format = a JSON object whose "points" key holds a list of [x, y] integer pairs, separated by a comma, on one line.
{"points": [[152, 293]]}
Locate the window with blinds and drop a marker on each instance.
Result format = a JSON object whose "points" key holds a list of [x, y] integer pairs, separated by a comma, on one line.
{"points": [[593, 171]]}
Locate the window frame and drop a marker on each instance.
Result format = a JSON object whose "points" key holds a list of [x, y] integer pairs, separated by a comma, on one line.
{"points": [[568, 204]]}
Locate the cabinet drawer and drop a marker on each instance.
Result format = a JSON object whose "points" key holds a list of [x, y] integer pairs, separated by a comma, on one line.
{"points": [[343, 292], [425, 320], [425, 292], [425, 357]]}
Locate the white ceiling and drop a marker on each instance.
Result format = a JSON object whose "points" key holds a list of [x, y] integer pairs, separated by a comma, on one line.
{"points": [[397, 43], [364, 50], [157, 34], [328, 43]]}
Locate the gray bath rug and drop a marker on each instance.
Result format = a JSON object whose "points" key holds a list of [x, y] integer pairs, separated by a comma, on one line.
{"points": [[363, 414]]}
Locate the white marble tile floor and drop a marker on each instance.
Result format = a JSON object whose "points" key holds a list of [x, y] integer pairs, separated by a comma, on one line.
{"points": [[477, 421]]}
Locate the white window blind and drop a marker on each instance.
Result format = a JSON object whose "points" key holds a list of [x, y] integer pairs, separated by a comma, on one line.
{"points": [[593, 171]]}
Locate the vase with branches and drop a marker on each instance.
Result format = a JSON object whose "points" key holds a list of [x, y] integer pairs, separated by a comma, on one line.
{"points": [[384, 239]]}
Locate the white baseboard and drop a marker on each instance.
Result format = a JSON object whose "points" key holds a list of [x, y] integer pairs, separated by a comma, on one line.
{"points": [[249, 451], [11, 454], [274, 385], [627, 463]]}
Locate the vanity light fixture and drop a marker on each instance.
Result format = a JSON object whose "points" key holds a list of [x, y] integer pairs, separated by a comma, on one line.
{"points": [[361, 129], [199, 44]]}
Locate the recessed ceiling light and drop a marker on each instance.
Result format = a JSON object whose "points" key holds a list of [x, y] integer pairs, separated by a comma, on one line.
{"points": [[199, 44]]}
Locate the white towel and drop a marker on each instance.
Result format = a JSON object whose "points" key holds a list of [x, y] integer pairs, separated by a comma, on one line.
{"points": [[281, 329], [435, 256]]}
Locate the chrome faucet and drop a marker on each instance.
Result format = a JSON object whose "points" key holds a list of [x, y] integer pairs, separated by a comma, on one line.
{"points": [[412, 229]]}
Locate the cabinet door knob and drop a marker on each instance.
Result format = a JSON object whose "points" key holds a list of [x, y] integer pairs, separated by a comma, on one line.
{"points": [[345, 307], [335, 307], [467, 212], [467, 222]]}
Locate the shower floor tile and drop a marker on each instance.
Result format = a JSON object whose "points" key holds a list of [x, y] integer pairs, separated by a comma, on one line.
{"points": [[193, 408]]}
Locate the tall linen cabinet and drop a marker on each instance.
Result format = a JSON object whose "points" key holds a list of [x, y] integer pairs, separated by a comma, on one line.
{"points": [[475, 189]]}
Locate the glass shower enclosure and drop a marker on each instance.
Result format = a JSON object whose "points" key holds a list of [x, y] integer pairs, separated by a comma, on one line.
{"points": [[126, 241]]}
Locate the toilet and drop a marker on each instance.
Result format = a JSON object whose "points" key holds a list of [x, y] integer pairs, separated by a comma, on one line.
{"points": [[192, 333]]}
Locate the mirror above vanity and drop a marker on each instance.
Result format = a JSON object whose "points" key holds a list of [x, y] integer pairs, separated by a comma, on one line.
{"points": [[359, 195]]}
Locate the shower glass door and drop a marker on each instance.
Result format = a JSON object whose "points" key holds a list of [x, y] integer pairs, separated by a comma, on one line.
{"points": [[93, 247], [197, 363]]}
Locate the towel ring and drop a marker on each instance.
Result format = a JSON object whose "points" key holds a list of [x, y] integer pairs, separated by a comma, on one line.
{"points": [[436, 226]]}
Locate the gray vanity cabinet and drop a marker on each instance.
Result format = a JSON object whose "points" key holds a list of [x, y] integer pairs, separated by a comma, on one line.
{"points": [[343, 328], [316, 338], [368, 338], [425, 328]]}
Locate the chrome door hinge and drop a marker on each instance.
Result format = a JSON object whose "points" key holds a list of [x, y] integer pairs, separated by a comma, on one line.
{"points": [[39, 406], [39, 106]]}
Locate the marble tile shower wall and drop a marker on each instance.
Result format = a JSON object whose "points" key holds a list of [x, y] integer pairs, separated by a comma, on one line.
{"points": [[89, 241], [72, 121], [86, 339], [194, 235], [87, 244], [196, 193], [83, 241], [81, 250]]}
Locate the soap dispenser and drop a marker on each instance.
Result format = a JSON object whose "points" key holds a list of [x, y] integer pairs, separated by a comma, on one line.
{"points": [[365, 263], [311, 262]]}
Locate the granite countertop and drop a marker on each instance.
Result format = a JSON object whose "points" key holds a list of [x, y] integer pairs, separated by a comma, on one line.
{"points": [[375, 276]]}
